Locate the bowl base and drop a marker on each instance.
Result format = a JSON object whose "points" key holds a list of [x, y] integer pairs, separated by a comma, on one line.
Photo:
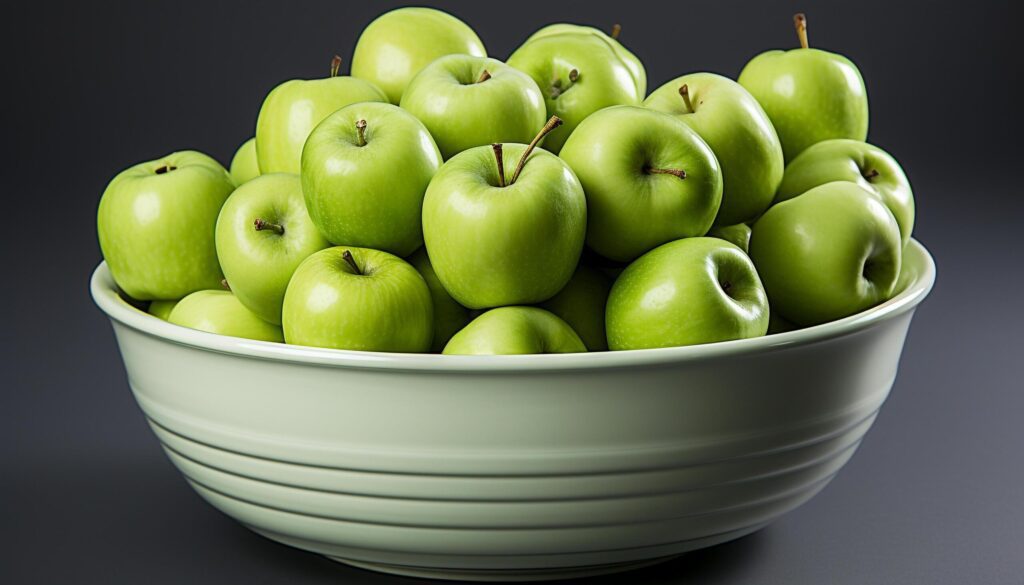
{"points": [[507, 575]]}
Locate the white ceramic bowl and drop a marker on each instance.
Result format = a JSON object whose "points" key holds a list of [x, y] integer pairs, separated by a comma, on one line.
{"points": [[513, 467]]}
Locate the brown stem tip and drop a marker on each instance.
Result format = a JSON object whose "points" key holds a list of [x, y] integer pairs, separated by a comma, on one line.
{"points": [[335, 65], [162, 169], [684, 91], [501, 164], [552, 123], [800, 23], [674, 172], [361, 133], [224, 284], [347, 257], [484, 76], [871, 174], [616, 30], [261, 225]]}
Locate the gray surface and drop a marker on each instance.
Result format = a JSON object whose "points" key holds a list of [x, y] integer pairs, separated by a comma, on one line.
{"points": [[932, 497]]}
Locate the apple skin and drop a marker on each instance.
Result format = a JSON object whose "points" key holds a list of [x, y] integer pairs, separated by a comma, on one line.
{"points": [[629, 210], [449, 316], [686, 292], [369, 195], [161, 309], [493, 246], [515, 330], [259, 263], [738, 131], [827, 254], [604, 79], [386, 308], [291, 111], [156, 227], [870, 167], [461, 113], [398, 44], [635, 66], [810, 95], [244, 165], [220, 312], [581, 304], [738, 234]]}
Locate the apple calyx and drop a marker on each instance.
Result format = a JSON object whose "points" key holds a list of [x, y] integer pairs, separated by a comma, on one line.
{"points": [[335, 65], [616, 30], [501, 163], [556, 85], [484, 76], [262, 224], [684, 92], [870, 174], [361, 133], [165, 168], [347, 257], [224, 284], [800, 23], [674, 172], [552, 123]]}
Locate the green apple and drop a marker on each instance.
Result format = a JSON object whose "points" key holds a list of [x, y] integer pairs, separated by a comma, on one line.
{"points": [[738, 131], [161, 309], [648, 177], [244, 165], [581, 304], [495, 242], [468, 101], [631, 61], [449, 316], [156, 222], [578, 74], [778, 324], [263, 234], [398, 44], [356, 298], [738, 234], [515, 330], [868, 166], [686, 292], [220, 312], [364, 172], [292, 109], [827, 254], [810, 95]]}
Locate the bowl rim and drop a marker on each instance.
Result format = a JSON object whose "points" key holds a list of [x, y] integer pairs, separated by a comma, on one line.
{"points": [[106, 297]]}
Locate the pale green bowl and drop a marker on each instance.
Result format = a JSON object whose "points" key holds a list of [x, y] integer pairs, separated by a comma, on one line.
{"points": [[513, 467]]}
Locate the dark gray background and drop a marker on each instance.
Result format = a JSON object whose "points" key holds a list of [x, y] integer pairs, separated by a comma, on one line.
{"points": [[934, 495]]}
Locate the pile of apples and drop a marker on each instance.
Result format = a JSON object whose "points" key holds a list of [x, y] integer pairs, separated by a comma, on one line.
{"points": [[441, 200]]}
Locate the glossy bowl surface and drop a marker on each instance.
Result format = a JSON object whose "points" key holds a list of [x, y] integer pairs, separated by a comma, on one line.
{"points": [[513, 467]]}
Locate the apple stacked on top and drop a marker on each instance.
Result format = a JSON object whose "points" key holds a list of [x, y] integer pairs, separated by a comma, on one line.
{"points": [[442, 200]]}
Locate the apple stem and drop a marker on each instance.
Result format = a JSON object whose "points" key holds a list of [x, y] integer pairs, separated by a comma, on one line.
{"points": [[800, 22], [675, 172], [165, 168], [556, 85], [484, 76], [553, 123], [501, 164], [361, 133], [684, 90], [347, 257], [261, 224], [871, 174], [224, 284], [335, 65], [616, 29]]}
